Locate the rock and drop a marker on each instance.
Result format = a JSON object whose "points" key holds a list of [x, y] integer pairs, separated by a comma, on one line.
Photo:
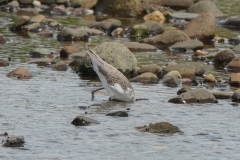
{"points": [[172, 79], [188, 44], [25, 1], [146, 77], [232, 22], [83, 3], [209, 78], [234, 64], [203, 57], [59, 10], [2, 39], [183, 90], [171, 63], [153, 68], [83, 121], [78, 55], [236, 49], [91, 31], [205, 7], [20, 73], [74, 65], [155, 16], [38, 19], [21, 21], [138, 30], [200, 53], [183, 16], [36, 4], [32, 27], [154, 27], [236, 96], [162, 128], [47, 1], [124, 8], [16, 141], [115, 54], [176, 3], [140, 47], [118, 113], [54, 25], [3, 63], [61, 66], [82, 11], [67, 50], [69, 34], [187, 70], [203, 27], [224, 57], [42, 62], [39, 52], [117, 32], [222, 95], [106, 24], [234, 79], [198, 95], [167, 38]]}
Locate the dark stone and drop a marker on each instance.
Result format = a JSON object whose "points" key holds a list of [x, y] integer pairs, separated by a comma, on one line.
{"points": [[83, 121], [16, 141], [162, 128], [118, 113]]}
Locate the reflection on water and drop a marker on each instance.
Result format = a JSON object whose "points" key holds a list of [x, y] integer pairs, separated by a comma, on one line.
{"points": [[42, 108]]}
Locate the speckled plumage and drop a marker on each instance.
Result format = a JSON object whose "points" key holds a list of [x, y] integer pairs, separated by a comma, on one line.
{"points": [[116, 84]]}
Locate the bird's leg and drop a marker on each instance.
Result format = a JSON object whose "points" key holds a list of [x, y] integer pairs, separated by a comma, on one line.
{"points": [[93, 91]]}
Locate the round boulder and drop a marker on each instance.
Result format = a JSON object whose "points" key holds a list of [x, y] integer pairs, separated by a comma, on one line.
{"points": [[83, 121], [234, 64], [70, 34], [234, 79], [115, 54], [155, 16], [15, 141], [153, 68], [146, 77], [20, 73], [67, 50], [236, 96], [224, 57], [138, 30], [161, 127], [203, 27], [209, 78]]}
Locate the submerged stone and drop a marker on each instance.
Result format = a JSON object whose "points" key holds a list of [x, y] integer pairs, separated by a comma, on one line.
{"points": [[162, 128], [16, 141], [83, 121]]}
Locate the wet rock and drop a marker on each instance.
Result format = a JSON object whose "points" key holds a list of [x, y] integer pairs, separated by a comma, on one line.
{"points": [[39, 52], [90, 31], [140, 47], [69, 34], [47, 1], [153, 68], [42, 62], [162, 128], [115, 54], [61, 66], [198, 95], [106, 24], [138, 30], [16, 141], [146, 77], [124, 8], [78, 55], [234, 64], [38, 19], [59, 10], [234, 79], [171, 63], [172, 79], [236, 49], [205, 7], [45, 33], [82, 11], [33, 27], [2, 39], [118, 113], [20, 73], [155, 16], [209, 78], [117, 32], [26, 1], [83, 121], [203, 27], [231, 22], [3, 63], [201, 53], [224, 57], [54, 25], [204, 57], [167, 38], [67, 50], [183, 16], [21, 21], [154, 27], [74, 65], [83, 3], [188, 44], [36, 4], [222, 95], [183, 90], [176, 3], [187, 70], [236, 96]]}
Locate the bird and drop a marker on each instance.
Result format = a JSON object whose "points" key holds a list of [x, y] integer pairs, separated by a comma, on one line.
{"points": [[113, 81]]}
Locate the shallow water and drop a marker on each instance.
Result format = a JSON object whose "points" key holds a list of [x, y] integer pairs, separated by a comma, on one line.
{"points": [[42, 108]]}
